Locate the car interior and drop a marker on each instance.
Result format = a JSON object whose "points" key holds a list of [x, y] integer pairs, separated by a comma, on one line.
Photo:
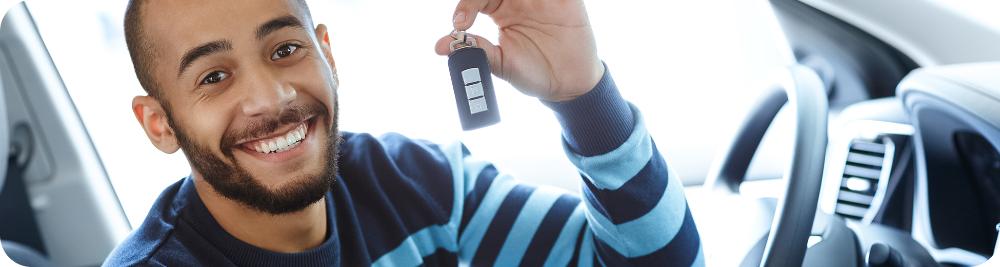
{"points": [[894, 160], [49, 178]]}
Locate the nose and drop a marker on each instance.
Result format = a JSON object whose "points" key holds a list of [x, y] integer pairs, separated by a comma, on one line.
{"points": [[265, 94]]}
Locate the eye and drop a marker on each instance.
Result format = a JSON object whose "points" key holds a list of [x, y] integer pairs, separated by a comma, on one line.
{"points": [[214, 77], [284, 51]]}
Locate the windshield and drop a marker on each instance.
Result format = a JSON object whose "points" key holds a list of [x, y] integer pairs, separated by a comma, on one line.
{"points": [[693, 67]]}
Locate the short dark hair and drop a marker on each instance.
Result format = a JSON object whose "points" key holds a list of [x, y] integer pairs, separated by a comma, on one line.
{"points": [[139, 47], [143, 53]]}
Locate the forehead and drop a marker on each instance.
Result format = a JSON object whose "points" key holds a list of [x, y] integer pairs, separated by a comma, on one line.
{"points": [[174, 26]]}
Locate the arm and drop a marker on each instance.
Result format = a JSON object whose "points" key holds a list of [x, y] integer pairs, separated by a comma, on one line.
{"points": [[635, 207], [632, 212]]}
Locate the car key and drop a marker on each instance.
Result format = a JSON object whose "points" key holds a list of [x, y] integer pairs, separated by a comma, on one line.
{"points": [[472, 83]]}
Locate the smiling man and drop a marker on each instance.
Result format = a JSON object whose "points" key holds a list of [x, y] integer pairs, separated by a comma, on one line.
{"points": [[248, 91]]}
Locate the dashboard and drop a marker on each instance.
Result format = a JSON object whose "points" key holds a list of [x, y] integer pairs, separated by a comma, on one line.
{"points": [[925, 162]]}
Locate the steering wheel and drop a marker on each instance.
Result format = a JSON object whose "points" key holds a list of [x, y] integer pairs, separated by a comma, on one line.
{"points": [[793, 220]]}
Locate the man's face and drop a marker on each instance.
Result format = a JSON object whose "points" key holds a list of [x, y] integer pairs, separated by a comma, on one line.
{"points": [[249, 91]]}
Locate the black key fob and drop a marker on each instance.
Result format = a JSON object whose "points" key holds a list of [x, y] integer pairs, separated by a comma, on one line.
{"points": [[472, 84]]}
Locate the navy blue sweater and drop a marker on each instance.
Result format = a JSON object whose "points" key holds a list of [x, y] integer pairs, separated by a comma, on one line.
{"points": [[403, 202]]}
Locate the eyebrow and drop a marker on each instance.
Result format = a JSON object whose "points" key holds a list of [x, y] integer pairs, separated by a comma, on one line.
{"points": [[213, 47], [273, 25], [202, 51]]}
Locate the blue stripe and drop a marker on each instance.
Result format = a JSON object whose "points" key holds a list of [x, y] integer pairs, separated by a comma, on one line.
{"points": [[396, 196], [440, 239], [527, 226], [570, 236], [474, 197], [634, 199], [419, 245], [473, 169], [700, 260], [456, 153], [595, 203], [542, 245], [613, 169], [647, 233], [473, 234], [587, 254], [499, 229], [575, 257], [684, 250]]}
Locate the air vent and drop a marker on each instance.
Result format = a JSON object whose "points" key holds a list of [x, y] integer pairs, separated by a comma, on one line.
{"points": [[860, 181]]}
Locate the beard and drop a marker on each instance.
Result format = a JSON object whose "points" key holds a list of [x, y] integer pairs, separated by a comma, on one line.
{"points": [[234, 182]]}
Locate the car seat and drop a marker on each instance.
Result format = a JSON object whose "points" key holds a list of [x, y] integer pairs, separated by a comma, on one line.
{"points": [[17, 252]]}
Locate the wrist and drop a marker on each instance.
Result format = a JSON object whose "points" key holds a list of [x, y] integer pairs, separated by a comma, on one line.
{"points": [[574, 91], [596, 122]]}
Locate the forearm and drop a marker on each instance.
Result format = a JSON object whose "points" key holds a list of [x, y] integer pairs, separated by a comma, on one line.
{"points": [[636, 208]]}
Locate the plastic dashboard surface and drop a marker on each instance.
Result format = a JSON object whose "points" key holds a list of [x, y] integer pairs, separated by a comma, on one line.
{"points": [[925, 161], [955, 111]]}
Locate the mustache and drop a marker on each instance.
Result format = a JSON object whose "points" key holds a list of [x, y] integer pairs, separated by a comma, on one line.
{"points": [[261, 126]]}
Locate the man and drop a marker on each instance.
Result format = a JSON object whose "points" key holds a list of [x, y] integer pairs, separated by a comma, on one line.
{"points": [[248, 91]]}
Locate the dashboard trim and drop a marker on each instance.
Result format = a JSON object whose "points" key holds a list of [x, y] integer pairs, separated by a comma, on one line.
{"points": [[922, 230], [883, 180], [969, 93]]}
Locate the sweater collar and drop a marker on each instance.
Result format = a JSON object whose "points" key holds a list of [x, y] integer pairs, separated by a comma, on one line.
{"points": [[243, 254]]}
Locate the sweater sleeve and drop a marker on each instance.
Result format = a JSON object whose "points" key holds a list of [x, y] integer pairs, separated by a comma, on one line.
{"points": [[631, 211]]}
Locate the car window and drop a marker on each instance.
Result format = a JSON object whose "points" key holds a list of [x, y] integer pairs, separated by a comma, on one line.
{"points": [[693, 67]]}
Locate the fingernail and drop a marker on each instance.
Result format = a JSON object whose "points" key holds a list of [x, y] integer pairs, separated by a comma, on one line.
{"points": [[459, 17]]}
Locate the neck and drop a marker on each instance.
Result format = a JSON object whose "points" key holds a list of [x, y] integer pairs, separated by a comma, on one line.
{"points": [[286, 233]]}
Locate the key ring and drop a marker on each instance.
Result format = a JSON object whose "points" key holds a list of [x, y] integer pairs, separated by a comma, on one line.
{"points": [[462, 40]]}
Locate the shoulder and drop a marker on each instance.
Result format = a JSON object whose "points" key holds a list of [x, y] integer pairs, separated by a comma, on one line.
{"points": [[156, 239], [417, 158], [391, 144], [400, 186], [393, 155]]}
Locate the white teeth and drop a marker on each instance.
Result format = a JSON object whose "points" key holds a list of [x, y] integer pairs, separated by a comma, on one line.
{"points": [[282, 143]]}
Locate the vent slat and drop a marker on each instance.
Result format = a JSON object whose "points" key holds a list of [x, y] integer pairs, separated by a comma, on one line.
{"points": [[862, 172], [851, 210], [869, 160], [868, 146], [856, 198]]}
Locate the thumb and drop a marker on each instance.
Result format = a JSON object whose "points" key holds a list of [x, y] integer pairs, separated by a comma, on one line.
{"points": [[466, 11]]}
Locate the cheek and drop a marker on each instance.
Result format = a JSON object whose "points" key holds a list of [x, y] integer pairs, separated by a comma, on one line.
{"points": [[207, 126], [314, 79]]}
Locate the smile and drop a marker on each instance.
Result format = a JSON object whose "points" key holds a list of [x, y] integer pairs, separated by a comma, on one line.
{"points": [[280, 143]]}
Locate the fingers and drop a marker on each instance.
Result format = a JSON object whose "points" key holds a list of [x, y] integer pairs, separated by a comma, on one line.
{"points": [[493, 52], [442, 46], [466, 11]]}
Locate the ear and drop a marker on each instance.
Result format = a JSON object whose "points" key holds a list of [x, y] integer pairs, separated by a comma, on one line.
{"points": [[323, 36], [153, 119]]}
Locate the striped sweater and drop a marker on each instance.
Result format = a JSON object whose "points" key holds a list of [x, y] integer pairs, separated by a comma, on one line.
{"points": [[403, 202]]}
